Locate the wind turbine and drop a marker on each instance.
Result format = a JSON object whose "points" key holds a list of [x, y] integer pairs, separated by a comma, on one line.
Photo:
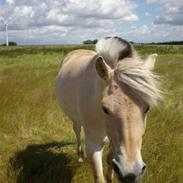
{"points": [[6, 30]]}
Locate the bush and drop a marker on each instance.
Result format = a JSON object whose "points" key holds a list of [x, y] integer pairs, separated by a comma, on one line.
{"points": [[90, 41], [10, 44]]}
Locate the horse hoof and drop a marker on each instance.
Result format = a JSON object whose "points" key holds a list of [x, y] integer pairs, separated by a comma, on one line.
{"points": [[80, 160]]}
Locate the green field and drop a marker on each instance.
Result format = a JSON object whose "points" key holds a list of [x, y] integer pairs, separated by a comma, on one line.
{"points": [[37, 144]]}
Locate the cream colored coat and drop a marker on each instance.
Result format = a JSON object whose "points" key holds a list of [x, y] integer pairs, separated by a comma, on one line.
{"points": [[86, 85], [79, 92]]}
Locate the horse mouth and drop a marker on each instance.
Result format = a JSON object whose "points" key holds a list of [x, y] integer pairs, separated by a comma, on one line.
{"points": [[128, 179]]}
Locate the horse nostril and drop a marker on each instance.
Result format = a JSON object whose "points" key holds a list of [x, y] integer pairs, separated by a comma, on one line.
{"points": [[130, 178], [144, 169]]}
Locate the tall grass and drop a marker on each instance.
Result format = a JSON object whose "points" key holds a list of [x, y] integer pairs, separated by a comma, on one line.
{"points": [[36, 139]]}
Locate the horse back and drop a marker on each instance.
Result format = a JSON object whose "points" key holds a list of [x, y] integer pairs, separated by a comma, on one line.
{"points": [[76, 84]]}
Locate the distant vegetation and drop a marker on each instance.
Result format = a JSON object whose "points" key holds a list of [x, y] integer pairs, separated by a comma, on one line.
{"points": [[160, 43], [90, 41], [132, 42], [10, 44], [170, 43]]}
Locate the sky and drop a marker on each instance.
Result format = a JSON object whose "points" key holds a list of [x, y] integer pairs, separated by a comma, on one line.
{"points": [[73, 21]]}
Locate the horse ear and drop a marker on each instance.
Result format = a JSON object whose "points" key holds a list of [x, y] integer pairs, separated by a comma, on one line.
{"points": [[102, 68], [150, 61]]}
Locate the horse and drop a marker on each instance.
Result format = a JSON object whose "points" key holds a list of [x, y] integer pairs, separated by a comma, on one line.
{"points": [[108, 93]]}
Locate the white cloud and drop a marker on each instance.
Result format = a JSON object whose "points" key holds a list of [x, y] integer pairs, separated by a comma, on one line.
{"points": [[147, 14], [26, 14], [131, 18], [171, 11], [10, 1], [74, 19], [154, 33], [150, 1]]}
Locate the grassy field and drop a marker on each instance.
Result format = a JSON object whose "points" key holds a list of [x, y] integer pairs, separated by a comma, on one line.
{"points": [[37, 144]]}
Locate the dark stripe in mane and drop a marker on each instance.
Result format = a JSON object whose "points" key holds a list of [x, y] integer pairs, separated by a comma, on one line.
{"points": [[127, 51]]}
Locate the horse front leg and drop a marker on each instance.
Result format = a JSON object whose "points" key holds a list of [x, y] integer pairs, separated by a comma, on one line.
{"points": [[109, 175], [77, 130], [94, 153]]}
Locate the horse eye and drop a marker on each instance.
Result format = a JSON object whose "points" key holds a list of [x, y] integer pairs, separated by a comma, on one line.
{"points": [[105, 110], [147, 109]]}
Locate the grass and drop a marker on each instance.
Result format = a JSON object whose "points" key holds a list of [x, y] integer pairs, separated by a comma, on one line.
{"points": [[37, 144]]}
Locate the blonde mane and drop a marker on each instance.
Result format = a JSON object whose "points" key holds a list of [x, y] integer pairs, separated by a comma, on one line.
{"points": [[121, 56], [141, 80]]}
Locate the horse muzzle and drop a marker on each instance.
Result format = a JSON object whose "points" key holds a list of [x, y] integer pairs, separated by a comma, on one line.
{"points": [[131, 177]]}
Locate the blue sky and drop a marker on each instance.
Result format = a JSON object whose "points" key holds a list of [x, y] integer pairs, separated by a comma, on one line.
{"points": [[2, 1], [73, 21]]}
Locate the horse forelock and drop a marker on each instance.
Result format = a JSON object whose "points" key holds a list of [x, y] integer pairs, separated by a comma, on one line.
{"points": [[114, 49], [121, 56], [141, 80]]}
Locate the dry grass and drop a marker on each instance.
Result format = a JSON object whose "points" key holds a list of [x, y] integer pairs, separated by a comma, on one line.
{"points": [[37, 144]]}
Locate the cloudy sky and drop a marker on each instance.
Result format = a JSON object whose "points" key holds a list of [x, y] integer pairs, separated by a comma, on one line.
{"points": [[73, 21]]}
